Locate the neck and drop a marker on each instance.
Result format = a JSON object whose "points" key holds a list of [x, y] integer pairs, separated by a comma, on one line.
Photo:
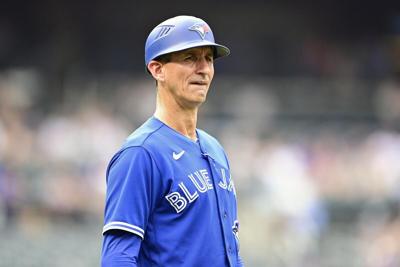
{"points": [[182, 120]]}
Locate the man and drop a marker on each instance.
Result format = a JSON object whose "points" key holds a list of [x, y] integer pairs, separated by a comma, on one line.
{"points": [[170, 197]]}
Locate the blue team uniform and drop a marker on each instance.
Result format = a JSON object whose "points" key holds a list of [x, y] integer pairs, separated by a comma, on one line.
{"points": [[177, 195]]}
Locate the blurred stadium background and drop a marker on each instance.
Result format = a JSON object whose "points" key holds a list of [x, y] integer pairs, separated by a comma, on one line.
{"points": [[307, 107]]}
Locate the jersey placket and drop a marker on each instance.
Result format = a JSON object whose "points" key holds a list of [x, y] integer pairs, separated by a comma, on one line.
{"points": [[222, 209]]}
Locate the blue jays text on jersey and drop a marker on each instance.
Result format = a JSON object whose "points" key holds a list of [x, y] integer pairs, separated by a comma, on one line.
{"points": [[177, 195]]}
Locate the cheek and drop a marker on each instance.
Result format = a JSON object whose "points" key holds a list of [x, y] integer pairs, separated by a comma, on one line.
{"points": [[211, 73], [175, 77]]}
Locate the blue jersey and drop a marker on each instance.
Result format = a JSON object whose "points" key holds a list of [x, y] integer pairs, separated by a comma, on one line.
{"points": [[177, 195]]}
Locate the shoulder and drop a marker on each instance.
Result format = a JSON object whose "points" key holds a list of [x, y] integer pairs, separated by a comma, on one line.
{"points": [[139, 145], [146, 133]]}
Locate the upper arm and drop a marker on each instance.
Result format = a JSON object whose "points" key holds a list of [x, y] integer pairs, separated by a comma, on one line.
{"points": [[120, 249], [133, 189]]}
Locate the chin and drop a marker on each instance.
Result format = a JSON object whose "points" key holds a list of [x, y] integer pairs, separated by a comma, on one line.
{"points": [[202, 98], [198, 101]]}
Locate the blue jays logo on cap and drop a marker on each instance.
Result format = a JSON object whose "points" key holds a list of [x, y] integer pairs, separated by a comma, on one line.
{"points": [[201, 29]]}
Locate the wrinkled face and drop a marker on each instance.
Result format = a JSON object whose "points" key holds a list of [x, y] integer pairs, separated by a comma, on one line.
{"points": [[188, 75]]}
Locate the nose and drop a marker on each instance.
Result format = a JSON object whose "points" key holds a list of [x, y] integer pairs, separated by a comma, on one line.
{"points": [[204, 65]]}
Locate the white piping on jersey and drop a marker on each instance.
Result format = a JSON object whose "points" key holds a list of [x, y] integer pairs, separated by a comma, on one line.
{"points": [[124, 226]]}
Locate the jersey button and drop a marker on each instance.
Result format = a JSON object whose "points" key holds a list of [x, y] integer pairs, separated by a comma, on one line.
{"points": [[225, 215]]}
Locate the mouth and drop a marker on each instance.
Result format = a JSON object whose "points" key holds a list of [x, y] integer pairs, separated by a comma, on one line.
{"points": [[199, 83]]}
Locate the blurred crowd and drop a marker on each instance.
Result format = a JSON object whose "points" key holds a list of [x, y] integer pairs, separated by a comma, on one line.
{"points": [[314, 188], [307, 108]]}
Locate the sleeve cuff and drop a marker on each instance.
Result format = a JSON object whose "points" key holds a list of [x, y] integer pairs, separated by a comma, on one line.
{"points": [[125, 227]]}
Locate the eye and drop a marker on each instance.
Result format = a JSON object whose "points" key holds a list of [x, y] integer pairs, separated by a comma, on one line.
{"points": [[189, 58]]}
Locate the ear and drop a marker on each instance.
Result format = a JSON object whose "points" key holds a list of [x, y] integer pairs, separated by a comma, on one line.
{"points": [[156, 70]]}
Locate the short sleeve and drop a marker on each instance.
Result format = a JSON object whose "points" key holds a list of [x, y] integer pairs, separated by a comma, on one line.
{"points": [[133, 189]]}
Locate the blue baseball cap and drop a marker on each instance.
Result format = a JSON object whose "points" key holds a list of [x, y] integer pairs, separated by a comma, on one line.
{"points": [[180, 33]]}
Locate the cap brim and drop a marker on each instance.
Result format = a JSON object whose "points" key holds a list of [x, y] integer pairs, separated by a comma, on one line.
{"points": [[221, 51]]}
